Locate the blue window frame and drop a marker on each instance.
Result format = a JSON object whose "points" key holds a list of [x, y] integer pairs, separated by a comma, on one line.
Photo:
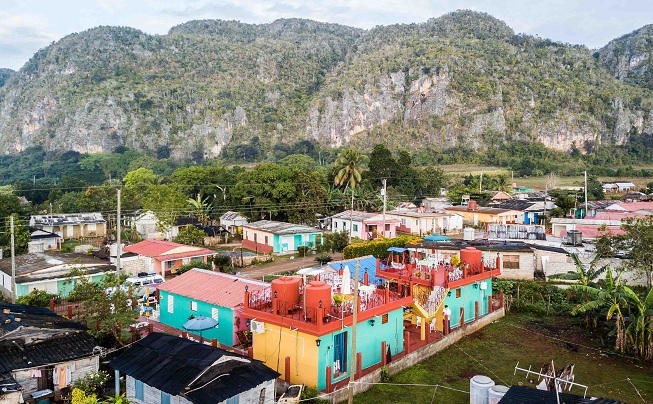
{"points": [[138, 390], [340, 353]]}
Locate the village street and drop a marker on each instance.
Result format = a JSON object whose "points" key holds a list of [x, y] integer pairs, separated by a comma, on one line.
{"points": [[283, 265]]}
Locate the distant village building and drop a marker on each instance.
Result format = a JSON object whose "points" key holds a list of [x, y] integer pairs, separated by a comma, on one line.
{"points": [[74, 225], [268, 236], [364, 225]]}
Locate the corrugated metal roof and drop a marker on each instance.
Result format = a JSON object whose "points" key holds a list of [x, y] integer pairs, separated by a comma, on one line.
{"points": [[212, 287], [34, 336], [172, 364], [523, 394], [161, 250], [232, 216], [281, 227], [480, 209]]}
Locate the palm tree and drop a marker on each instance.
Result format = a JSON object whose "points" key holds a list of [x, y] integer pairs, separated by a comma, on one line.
{"points": [[613, 298], [347, 173]]}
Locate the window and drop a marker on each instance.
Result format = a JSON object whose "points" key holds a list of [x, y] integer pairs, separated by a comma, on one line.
{"points": [[185, 261], [266, 240], [384, 318], [169, 264], [214, 314], [387, 227], [171, 304], [340, 353], [458, 293], [354, 227], [138, 390], [193, 306], [165, 398], [335, 224], [232, 400], [511, 261]]}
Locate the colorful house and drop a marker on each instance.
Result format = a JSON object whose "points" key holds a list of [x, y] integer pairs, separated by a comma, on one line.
{"points": [[164, 369], [464, 284], [73, 225], [267, 236], [161, 257], [365, 225], [199, 292], [305, 332]]}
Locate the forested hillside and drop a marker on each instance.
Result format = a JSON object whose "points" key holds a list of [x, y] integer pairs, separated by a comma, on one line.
{"points": [[224, 88]]}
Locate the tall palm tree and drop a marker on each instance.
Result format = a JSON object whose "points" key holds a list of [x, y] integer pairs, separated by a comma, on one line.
{"points": [[613, 299], [347, 173]]}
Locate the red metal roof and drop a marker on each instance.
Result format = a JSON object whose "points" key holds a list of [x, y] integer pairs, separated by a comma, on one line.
{"points": [[590, 231], [165, 250], [212, 287]]}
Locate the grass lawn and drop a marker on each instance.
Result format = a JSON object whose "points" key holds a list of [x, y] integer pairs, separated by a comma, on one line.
{"points": [[495, 350]]}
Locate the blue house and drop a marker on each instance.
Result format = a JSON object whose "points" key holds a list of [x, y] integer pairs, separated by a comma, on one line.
{"points": [[268, 236], [199, 292]]}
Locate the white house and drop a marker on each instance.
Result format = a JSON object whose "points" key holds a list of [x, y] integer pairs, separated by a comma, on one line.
{"points": [[364, 225], [232, 221], [422, 223]]}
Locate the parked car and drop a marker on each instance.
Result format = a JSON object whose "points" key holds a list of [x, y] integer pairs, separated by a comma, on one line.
{"points": [[141, 284]]}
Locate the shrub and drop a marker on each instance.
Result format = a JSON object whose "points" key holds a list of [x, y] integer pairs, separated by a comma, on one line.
{"points": [[91, 383], [302, 250], [37, 297], [323, 259], [377, 247]]}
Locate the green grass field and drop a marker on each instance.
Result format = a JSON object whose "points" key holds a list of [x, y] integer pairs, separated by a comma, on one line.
{"points": [[495, 350]]}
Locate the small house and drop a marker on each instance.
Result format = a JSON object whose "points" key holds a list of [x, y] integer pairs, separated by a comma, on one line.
{"points": [[41, 353], [233, 221], [164, 369], [41, 240], [422, 223], [365, 225], [473, 214], [161, 257], [267, 236], [199, 292]]}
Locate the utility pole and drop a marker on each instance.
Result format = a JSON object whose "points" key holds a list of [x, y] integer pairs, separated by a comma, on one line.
{"points": [[352, 358], [384, 192], [118, 239], [14, 295], [585, 194]]}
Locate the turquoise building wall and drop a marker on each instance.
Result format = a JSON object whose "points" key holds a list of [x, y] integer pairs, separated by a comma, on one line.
{"points": [[64, 287], [368, 343], [468, 295], [182, 311]]}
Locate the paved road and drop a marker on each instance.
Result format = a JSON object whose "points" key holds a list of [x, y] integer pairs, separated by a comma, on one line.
{"points": [[283, 265]]}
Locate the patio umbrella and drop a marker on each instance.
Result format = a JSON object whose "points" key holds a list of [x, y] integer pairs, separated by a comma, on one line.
{"points": [[200, 323], [346, 280]]}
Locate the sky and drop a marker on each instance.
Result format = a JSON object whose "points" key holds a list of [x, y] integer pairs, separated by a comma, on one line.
{"points": [[28, 25]]}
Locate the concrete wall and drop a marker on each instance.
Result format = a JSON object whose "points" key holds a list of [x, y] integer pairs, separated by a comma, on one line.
{"points": [[397, 365]]}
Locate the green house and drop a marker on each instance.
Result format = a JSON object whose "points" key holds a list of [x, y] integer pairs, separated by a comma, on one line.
{"points": [[200, 292]]}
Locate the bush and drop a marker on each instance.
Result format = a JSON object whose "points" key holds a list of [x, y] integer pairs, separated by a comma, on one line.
{"points": [[91, 383], [37, 297], [194, 264], [302, 250], [323, 259], [377, 247]]}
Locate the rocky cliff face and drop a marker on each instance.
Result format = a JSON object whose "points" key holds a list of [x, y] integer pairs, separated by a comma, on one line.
{"points": [[461, 79], [630, 57]]}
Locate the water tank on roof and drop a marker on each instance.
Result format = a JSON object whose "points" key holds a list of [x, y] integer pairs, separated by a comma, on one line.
{"points": [[574, 237], [472, 205], [316, 292], [471, 256], [496, 393], [286, 290], [479, 387], [468, 233]]}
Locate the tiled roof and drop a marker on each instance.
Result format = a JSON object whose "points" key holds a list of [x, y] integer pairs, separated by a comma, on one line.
{"points": [[166, 250], [212, 287], [281, 227], [633, 206], [198, 372]]}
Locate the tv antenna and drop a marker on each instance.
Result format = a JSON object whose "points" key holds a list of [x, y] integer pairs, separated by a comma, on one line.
{"points": [[552, 381]]}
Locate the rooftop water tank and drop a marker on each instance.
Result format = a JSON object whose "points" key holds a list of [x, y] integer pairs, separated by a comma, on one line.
{"points": [[318, 294], [471, 256], [479, 387], [286, 290], [496, 393]]}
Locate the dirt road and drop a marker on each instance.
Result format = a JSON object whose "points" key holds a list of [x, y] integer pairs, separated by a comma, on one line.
{"points": [[283, 265]]}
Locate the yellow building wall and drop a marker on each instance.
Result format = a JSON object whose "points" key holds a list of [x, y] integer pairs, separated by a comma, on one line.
{"points": [[276, 343]]}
